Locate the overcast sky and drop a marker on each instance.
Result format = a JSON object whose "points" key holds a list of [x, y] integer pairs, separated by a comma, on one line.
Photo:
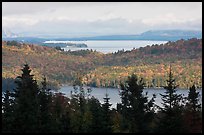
{"points": [[76, 19]]}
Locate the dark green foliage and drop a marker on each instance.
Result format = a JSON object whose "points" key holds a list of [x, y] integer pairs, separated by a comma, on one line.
{"points": [[35, 109], [80, 52], [170, 122], [171, 118], [7, 112], [44, 100], [59, 48], [193, 101], [60, 114], [193, 112], [107, 123], [170, 98], [96, 113], [31, 109], [79, 101], [135, 107], [13, 43], [123, 107], [26, 102]]}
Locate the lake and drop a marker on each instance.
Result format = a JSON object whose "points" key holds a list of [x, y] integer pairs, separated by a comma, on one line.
{"points": [[109, 46], [113, 94]]}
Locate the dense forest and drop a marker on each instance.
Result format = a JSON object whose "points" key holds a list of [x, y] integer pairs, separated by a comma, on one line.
{"points": [[106, 70], [33, 108]]}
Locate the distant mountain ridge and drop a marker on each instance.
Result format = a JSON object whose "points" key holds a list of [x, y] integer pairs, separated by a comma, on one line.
{"points": [[162, 35], [170, 35]]}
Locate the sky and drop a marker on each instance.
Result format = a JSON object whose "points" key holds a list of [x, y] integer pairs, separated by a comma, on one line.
{"points": [[84, 19]]}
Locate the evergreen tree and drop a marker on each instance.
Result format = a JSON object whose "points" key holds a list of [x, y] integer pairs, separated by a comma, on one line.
{"points": [[97, 115], [171, 119], [193, 113], [45, 100], [79, 101], [193, 101], [60, 114], [78, 87], [7, 113], [123, 108], [79, 92], [135, 106], [170, 99], [26, 107], [116, 118], [107, 123]]}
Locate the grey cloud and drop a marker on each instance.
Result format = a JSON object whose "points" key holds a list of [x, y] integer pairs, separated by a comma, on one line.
{"points": [[112, 26], [106, 27], [90, 19], [19, 8]]}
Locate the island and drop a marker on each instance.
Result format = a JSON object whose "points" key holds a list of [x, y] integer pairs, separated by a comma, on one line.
{"points": [[62, 45]]}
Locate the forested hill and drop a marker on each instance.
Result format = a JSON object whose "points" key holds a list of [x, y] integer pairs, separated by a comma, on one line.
{"points": [[156, 54], [107, 70]]}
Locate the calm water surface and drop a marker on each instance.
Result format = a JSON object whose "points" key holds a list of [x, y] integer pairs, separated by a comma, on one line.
{"points": [[109, 46], [114, 96]]}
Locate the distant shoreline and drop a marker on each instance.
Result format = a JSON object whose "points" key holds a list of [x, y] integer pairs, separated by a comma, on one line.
{"points": [[145, 88]]}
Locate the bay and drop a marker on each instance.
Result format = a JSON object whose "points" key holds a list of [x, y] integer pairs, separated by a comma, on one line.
{"points": [[111, 46], [114, 96]]}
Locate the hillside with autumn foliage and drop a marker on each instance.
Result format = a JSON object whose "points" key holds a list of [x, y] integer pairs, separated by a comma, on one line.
{"points": [[55, 65], [107, 70]]}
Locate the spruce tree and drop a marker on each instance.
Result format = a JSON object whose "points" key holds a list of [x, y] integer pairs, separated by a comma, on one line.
{"points": [[26, 102], [97, 115], [193, 101], [45, 101], [60, 114], [171, 119], [170, 99], [79, 101], [79, 93], [123, 108], [135, 105], [107, 123], [193, 113]]}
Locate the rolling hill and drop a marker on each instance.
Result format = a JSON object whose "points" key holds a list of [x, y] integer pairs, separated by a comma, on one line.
{"points": [[107, 70]]}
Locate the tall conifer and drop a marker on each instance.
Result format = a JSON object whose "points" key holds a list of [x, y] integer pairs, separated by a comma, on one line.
{"points": [[26, 102], [171, 119]]}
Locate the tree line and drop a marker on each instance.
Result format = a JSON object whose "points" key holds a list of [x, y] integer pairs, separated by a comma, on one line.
{"points": [[34, 108]]}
